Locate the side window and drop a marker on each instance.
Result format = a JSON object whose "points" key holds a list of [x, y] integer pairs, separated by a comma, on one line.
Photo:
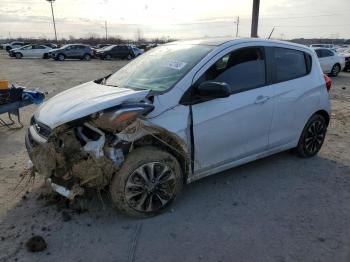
{"points": [[326, 53], [242, 69], [318, 52], [289, 64]]}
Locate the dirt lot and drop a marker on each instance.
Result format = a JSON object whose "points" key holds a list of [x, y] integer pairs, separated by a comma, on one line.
{"points": [[281, 208]]}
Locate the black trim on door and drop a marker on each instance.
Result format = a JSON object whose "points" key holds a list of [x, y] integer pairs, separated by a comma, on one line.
{"points": [[192, 139]]}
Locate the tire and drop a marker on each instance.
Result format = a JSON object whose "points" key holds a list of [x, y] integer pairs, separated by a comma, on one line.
{"points": [[335, 70], [108, 57], [61, 57], [312, 137], [87, 57], [137, 193], [46, 56], [8, 48], [18, 55], [129, 57]]}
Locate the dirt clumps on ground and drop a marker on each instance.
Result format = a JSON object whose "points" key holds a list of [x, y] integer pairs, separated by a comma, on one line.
{"points": [[36, 244]]}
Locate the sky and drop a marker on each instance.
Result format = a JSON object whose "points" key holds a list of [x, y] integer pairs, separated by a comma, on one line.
{"points": [[180, 19]]}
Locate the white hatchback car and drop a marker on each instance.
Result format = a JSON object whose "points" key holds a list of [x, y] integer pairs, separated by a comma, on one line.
{"points": [[331, 63], [178, 113]]}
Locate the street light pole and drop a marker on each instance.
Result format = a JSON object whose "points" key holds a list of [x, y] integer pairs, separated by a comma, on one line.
{"points": [[53, 19], [255, 18], [106, 29]]}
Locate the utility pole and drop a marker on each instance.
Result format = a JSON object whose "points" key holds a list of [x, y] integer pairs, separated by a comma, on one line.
{"points": [[237, 26], [106, 29], [53, 19], [273, 29], [255, 18]]}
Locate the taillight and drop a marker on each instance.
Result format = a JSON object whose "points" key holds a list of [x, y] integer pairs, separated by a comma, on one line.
{"points": [[328, 82]]}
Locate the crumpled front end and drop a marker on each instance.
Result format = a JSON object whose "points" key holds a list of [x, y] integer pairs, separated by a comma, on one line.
{"points": [[86, 153]]}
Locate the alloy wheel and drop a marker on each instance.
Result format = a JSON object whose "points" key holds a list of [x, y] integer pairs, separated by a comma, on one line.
{"points": [[335, 70], [315, 136], [150, 187]]}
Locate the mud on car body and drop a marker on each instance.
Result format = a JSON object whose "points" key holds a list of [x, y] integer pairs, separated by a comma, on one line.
{"points": [[178, 113]]}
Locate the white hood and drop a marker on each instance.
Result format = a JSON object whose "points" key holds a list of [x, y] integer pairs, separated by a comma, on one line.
{"points": [[84, 100]]}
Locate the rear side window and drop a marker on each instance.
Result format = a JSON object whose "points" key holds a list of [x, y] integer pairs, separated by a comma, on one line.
{"points": [[290, 64], [242, 70], [326, 53]]}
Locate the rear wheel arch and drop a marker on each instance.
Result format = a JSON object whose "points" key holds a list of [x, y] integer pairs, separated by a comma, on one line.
{"points": [[323, 113]]}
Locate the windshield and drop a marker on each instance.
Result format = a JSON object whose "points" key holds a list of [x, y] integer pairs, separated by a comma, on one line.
{"points": [[160, 68]]}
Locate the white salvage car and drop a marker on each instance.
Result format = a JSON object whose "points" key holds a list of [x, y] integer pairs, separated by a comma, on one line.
{"points": [[178, 113], [331, 63], [32, 51]]}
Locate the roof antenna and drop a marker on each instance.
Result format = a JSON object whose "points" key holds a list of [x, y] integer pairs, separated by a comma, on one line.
{"points": [[273, 29]]}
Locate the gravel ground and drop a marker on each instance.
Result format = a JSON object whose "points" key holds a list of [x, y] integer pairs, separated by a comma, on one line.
{"points": [[281, 208]]}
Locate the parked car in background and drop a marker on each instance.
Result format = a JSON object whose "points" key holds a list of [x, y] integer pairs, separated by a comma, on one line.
{"points": [[330, 46], [33, 51], [12, 45], [137, 51], [51, 45], [346, 54], [180, 112], [116, 51], [72, 51], [99, 46], [331, 63]]}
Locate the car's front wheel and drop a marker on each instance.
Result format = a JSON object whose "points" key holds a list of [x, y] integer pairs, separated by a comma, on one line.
{"points": [[148, 181], [108, 57], [335, 70], [129, 57], [312, 137]]}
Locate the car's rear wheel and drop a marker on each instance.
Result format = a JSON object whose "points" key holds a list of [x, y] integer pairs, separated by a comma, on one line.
{"points": [[19, 55], [108, 57], [335, 70], [61, 57], [148, 181], [87, 57], [312, 137]]}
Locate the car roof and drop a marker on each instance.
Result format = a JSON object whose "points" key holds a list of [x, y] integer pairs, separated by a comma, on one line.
{"points": [[318, 48], [227, 41]]}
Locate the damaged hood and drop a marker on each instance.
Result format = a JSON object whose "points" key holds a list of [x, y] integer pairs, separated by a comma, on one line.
{"points": [[83, 100]]}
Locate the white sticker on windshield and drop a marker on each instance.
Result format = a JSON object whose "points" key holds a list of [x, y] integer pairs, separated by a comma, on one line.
{"points": [[175, 65]]}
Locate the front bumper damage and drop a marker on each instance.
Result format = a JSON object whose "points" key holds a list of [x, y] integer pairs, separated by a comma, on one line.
{"points": [[86, 154], [74, 158]]}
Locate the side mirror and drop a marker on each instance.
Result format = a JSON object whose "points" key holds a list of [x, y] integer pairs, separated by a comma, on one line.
{"points": [[214, 89]]}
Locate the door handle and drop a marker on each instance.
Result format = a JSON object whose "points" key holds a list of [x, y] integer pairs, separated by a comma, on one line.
{"points": [[261, 99]]}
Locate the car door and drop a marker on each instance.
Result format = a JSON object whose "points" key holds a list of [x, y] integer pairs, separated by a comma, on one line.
{"points": [[235, 127], [115, 51], [35, 52], [27, 51], [293, 94], [326, 59], [40, 51], [69, 51]]}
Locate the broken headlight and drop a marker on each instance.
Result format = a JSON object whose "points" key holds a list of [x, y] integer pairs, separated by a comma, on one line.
{"points": [[117, 118]]}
